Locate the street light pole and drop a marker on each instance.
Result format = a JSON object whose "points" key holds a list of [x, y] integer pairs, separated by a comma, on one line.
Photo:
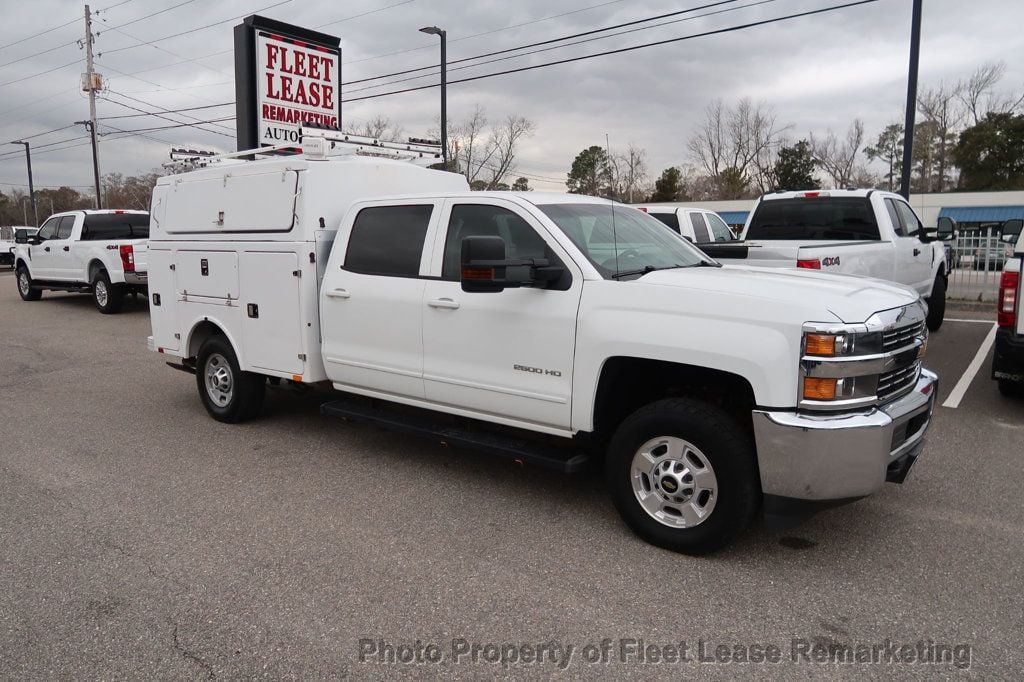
{"points": [[31, 188], [91, 127], [908, 127], [443, 35]]}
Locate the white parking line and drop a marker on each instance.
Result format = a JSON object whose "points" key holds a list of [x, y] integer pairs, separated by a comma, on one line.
{"points": [[958, 392]]}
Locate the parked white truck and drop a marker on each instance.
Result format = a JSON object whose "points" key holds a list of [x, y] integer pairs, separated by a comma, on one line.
{"points": [[102, 252], [545, 327], [854, 232], [698, 225]]}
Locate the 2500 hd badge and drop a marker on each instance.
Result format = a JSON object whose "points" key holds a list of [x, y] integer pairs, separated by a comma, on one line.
{"points": [[537, 370]]}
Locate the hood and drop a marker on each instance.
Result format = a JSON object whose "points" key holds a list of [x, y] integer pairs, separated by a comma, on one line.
{"points": [[850, 298]]}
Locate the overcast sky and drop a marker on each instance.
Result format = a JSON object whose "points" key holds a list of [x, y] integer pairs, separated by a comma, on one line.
{"points": [[818, 72]]}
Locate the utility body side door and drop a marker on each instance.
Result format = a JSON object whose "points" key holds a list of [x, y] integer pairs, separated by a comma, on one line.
{"points": [[507, 354]]}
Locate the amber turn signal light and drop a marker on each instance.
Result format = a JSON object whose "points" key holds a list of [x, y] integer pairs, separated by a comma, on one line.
{"points": [[816, 388], [821, 344]]}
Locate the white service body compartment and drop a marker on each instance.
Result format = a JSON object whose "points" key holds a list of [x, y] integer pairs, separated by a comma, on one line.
{"points": [[272, 319], [161, 288], [240, 201], [210, 274]]}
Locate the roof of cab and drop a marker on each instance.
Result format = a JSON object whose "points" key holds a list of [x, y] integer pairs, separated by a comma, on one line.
{"points": [[824, 193]]}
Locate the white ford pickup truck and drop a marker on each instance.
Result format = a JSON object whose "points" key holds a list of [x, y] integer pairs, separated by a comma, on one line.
{"points": [[855, 232], [102, 252], [550, 328]]}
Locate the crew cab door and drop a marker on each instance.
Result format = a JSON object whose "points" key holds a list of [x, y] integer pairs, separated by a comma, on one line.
{"points": [[913, 261], [371, 300], [64, 257], [41, 255], [507, 354]]}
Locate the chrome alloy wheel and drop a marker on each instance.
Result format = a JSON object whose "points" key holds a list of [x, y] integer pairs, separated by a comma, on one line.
{"points": [[674, 482], [23, 284], [220, 383], [99, 289]]}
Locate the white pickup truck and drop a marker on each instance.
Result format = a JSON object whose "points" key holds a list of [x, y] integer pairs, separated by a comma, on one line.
{"points": [[698, 225], [102, 252], [855, 232], [1008, 357], [550, 328]]}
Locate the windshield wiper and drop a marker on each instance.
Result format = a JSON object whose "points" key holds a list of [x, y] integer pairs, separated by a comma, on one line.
{"points": [[650, 268]]}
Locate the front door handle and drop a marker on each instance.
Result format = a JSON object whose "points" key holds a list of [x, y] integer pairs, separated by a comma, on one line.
{"points": [[67, 248], [338, 293], [446, 303], [46, 248], [917, 252]]}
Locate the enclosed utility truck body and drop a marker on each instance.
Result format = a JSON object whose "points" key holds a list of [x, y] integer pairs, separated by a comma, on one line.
{"points": [[242, 249]]}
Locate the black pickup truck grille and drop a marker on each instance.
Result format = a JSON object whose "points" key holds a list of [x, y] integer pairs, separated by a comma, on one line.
{"points": [[901, 336]]}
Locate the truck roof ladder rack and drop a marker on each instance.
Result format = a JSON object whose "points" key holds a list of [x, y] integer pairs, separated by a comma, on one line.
{"points": [[320, 144]]}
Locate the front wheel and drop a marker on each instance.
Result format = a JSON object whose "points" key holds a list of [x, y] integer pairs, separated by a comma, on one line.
{"points": [[937, 304], [1011, 389], [229, 394], [683, 475], [107, 297], [26, 289]]}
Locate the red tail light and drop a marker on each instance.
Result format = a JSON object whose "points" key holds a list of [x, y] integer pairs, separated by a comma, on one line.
{"points": [[1006, 314], [809, 263], [127, 257]]}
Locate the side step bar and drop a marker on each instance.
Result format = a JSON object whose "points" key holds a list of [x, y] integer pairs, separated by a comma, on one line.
{"points": [[492, 442]]}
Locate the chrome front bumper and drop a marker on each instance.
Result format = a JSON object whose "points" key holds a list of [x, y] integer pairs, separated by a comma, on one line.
{"points": [[842, 456]]}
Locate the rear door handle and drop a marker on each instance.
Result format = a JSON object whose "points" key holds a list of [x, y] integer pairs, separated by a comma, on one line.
{"points": [[338, 293], [446, 303], [46, 248], [67, 248]]}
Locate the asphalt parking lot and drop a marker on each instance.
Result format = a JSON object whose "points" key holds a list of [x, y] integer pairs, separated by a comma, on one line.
{"points": [[141, 539]]}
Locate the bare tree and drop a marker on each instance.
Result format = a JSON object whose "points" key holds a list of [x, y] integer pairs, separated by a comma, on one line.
{"points": [[632, 175], [732, 144], [381, 128], [978, 95], [475, 150], [943, 107], [838, 158], [503, 144]]}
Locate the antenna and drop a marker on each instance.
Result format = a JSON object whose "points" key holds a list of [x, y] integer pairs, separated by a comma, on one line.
{"points": [[615, 240]]}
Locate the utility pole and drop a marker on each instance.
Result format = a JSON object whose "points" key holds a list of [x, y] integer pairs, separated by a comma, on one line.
{"points": [[31, 188], [92, 82], [908, 128]]}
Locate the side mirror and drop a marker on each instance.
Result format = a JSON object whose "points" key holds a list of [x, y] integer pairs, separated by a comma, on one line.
{"points": [[483, 264], [946, 228], [21, 236], [1011, 231]]}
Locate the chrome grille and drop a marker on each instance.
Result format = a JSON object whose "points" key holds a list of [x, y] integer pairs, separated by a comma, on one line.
{"points": [[901, 336], [897, 381]]}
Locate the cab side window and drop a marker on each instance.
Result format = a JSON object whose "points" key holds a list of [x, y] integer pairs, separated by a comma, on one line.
{"points": [[894, 216], [911, 225], [49, 229], [476, 220], [719, 229], [67, 223], [388, 240], [700, 232]]}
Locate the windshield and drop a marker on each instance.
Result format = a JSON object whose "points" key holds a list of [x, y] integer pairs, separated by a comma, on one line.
{"points": [[622, 243], [817, 218]]}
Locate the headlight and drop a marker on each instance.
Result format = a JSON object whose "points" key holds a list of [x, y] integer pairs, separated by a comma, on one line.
{"points": [[861, 365]]}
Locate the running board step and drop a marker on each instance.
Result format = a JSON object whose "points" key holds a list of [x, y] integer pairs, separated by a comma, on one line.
{"points": [[421, 423]]}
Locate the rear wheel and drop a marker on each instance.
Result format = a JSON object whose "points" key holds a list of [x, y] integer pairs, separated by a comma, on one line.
{"points": [[26, 289], [108, 297], [229, 394], [1011, 389], [683, 475], [937, 304]]}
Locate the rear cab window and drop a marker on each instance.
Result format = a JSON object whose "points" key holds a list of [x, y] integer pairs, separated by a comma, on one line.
{"points": [[388, 240], [115, 226], [669, 219], [814, 218]]}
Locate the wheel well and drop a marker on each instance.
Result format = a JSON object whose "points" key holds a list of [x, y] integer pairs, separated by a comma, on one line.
{"points": [[628, 384], [200, 333], [20, 263], [94, 267]]}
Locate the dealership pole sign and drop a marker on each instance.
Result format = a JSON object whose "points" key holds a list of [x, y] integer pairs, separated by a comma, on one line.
{"points": [[284, 76]]}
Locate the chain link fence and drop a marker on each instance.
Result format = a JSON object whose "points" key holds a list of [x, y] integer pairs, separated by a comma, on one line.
{"points": [[975, 259]]}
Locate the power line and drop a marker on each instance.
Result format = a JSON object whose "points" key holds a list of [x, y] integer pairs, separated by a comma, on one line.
{"points": [[192, 30], [41, 73], [141, 42], [573, 44], [182, 125], [167, 111], [55, 130], [363, 14], [166, 118], [433, 46], [720, 31], [41, 33], [549, 41], [153, 14]]}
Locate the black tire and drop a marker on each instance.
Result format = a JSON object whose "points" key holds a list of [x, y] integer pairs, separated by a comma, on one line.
{"points": [[108, 297], [721, 441], [246, 390], [1011, 389], [937, 304], [26, 287]]}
